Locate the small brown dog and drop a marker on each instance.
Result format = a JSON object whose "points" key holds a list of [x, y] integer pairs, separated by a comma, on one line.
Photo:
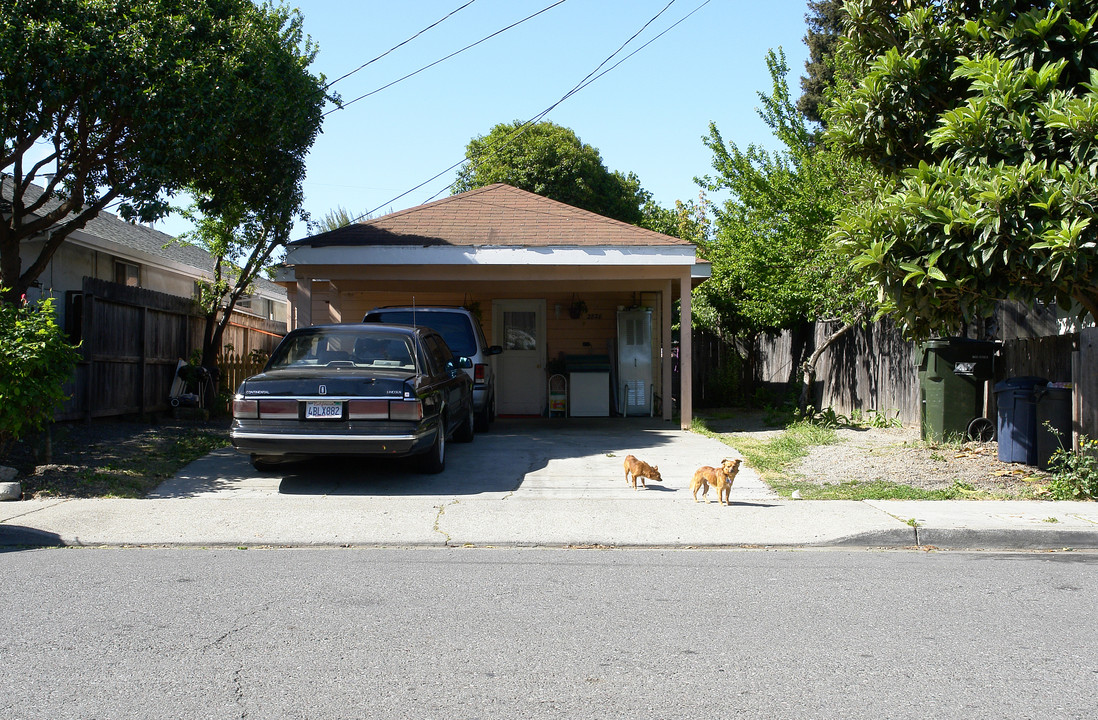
{"points": [[640, 469], [721, 479]]}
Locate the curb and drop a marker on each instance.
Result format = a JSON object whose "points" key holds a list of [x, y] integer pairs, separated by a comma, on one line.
{"points": [[1006, 539]]}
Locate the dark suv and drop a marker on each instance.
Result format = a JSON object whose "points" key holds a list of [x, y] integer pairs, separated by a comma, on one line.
{"points": [[462, 332]]}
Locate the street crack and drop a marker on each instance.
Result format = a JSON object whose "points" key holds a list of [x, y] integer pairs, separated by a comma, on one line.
{"points": [[438, 521]]}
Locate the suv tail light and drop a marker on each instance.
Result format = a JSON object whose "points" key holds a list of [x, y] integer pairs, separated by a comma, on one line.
{"points": [[480, 372]]}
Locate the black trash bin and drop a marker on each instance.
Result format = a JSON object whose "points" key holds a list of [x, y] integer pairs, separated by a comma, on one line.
{"points": [[1017, 401], [1053, 409]]}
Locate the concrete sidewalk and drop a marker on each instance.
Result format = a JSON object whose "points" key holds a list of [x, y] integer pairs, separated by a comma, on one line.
{"points": [[527, 483]]}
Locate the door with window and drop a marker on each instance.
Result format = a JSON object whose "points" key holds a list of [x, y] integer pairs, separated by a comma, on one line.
{"points": [[519, 326]]}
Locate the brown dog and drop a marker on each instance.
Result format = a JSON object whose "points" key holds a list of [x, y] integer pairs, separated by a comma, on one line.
{"points": [[640, 469], [721, 479]]}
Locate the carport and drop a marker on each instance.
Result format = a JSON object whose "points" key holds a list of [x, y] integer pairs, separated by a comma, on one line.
{"points": [[548, 281]]}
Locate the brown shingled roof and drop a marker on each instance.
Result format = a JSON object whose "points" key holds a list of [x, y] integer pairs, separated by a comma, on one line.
{"points": [[496, 215]]}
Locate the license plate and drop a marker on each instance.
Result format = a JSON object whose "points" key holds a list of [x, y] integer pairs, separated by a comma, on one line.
{"points": [[323, 410]]}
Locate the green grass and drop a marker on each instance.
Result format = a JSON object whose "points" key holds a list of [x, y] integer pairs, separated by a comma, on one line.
{"points": [[128, 469], [770, 458], [876, 490]]}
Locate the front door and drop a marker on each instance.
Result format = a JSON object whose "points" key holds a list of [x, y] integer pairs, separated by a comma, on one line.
{"points": [[519, 326]]}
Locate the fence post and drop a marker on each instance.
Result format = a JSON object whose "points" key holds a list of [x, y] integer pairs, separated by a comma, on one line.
{"points": [[1085, 382]]}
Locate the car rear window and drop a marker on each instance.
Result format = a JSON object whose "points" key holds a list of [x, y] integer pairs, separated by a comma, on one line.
{"points": [[454, 328], [322, 348]]}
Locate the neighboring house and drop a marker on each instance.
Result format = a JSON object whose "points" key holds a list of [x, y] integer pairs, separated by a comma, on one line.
{"points": [[547, 279], [125, 292], [109, 248]]}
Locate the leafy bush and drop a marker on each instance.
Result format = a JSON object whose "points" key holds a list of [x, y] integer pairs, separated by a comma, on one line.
{"points": [[875, 419], [35, 361], [1075, 475], [826, 418]]}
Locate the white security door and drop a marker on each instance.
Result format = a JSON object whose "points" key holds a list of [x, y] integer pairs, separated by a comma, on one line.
{"points": [[519, 326]]}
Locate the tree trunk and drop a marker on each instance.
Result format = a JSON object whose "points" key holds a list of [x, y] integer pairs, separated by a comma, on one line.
{"points": [[211, 345], [808, 370], [747, 367], [801, 338]]}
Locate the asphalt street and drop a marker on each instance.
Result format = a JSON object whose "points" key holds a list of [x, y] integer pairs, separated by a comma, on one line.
{"points": [[547, 633]]}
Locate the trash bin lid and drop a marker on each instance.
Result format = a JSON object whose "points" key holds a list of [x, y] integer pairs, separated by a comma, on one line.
{"points": [[1020, 383]]}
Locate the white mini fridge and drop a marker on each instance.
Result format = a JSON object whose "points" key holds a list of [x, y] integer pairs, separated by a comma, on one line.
{"points": [[635, 362]]}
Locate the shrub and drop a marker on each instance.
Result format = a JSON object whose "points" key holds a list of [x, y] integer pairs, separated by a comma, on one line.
{"points": [[1075, 475], [35, 360]]}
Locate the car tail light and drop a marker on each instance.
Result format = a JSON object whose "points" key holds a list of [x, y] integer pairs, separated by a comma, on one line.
{"points": [[245, 409], [406, 410], [367, 409], [480, 372], [278, 409]]}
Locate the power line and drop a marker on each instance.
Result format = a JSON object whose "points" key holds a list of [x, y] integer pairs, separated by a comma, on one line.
{"points": [[436, 62], [399, 45], [590, 78], [576, 88]]}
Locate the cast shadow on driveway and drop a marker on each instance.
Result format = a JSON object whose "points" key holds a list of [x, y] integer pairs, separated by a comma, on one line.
{"points": [[495, 462], [587, 450]]}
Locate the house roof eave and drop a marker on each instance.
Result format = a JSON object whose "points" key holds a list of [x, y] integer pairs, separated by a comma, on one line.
{"points": [[497, 255]]}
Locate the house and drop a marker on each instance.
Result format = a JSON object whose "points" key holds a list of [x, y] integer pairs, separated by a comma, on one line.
{"points": [[125, 292], [547, 279], [111, 249]]}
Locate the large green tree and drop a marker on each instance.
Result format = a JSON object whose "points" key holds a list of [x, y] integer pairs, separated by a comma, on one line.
{"points": [[550, 160], [824, 21], [774, 265], [984, 114], [129, 102]]}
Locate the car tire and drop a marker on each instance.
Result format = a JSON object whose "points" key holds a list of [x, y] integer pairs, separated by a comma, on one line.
{"points": [[486, 416], [263, 464], [467, 431], [434, 460]]}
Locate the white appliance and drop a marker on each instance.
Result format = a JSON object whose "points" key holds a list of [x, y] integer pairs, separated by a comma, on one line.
{"points": [[589, 393], [635, 362]]}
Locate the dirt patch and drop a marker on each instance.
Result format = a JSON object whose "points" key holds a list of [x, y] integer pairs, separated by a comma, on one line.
{"points": [[898, 455], [110, 458]]}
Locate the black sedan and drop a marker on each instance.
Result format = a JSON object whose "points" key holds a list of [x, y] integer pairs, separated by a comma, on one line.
{"points": [[363, 389]]}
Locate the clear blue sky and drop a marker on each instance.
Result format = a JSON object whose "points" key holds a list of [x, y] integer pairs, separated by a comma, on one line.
{"points": [[646, 116]]}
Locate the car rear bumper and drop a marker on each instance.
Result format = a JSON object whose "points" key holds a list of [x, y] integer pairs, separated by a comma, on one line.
{"points": [[297, 439]]}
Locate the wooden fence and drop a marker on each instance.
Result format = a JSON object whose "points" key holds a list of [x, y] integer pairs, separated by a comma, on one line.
{"points": [[235, 367], [870, 369], [131, 343], [875, 369]]}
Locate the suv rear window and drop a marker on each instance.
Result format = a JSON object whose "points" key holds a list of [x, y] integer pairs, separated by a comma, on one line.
{"points": [[453, 327]]}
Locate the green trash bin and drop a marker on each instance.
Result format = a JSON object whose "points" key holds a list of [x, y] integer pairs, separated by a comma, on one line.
{"points": [[952, 375]]}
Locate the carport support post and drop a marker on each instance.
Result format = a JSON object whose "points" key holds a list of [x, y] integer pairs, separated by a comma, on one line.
{"points": [[303, 303], [686, 353], [667, 392]]}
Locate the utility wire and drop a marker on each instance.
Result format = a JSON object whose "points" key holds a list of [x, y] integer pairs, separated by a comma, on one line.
{"points": [[591, 77], [436, 62], [399, 45], [517, 132]]}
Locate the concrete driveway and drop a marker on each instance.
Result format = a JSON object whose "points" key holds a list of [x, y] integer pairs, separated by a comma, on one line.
{"points": [[575, 458]]}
